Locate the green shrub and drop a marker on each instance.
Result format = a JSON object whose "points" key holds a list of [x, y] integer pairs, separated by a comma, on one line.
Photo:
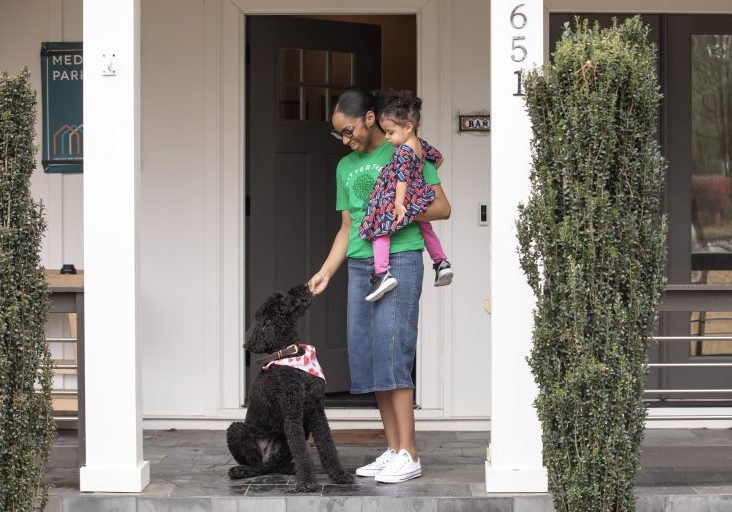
{"points": [[26, 417], [592, 245]]}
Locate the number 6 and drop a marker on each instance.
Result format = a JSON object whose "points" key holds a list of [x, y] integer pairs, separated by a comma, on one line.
{"points": [[515, 14], [515, 47]]}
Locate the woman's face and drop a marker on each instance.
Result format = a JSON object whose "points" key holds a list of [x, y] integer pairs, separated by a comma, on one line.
{"points": [[355, 131]]}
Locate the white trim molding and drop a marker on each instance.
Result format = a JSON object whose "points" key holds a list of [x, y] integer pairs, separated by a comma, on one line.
{"points": [[338, 419], [433, 47], [113, 395], [516, 448], [313, 7]]}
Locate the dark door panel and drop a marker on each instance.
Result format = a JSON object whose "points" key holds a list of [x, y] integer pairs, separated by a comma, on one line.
{"points": [[296, 68]]}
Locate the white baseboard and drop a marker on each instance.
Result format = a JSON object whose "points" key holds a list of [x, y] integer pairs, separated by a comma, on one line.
{"points": [[515, 480], [339, 419], [114, 479], [432, 419]]}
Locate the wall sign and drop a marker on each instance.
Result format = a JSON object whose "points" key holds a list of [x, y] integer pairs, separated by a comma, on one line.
{"points": [[62, 74], [474, 123]]}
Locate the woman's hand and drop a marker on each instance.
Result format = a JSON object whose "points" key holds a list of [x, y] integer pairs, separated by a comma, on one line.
{"points": [[318, 283], [401, 211]]}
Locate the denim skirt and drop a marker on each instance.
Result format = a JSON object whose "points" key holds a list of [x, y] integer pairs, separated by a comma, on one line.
{"points": [[382, 335]]}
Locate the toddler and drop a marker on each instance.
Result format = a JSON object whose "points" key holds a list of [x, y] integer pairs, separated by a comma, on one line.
{"points": [[401, 193]]}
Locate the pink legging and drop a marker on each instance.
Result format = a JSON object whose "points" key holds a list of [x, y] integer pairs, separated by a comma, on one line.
{"points": [[382, 244]]}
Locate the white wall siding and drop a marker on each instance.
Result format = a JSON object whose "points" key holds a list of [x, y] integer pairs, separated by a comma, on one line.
{"points": [[191, 186], [24, 26], [172, 237], [469, 186]]}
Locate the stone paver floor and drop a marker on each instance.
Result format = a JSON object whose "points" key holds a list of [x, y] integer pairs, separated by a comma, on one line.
{"points": [[195, 463]]}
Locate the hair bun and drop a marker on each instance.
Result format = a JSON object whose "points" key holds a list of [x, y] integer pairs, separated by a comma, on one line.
{"points": [[417, 103]]}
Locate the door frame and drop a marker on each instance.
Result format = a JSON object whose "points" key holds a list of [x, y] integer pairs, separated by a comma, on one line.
{"points": [[433, 362]]}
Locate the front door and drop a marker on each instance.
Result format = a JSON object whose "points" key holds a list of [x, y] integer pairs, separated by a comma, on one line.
{"points": [[296, 69]]}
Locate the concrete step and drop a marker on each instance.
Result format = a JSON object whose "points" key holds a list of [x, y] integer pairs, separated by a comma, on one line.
{"points": [[313, 503]]}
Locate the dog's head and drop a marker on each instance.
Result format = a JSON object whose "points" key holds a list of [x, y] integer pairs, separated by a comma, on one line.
{"points": [[274, 325]]}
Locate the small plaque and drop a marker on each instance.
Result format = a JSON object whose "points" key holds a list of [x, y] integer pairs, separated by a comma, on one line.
{"points": [[475, 123]]}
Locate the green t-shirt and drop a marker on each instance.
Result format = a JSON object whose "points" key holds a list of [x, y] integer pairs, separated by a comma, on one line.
{"points": [[355, 178]]}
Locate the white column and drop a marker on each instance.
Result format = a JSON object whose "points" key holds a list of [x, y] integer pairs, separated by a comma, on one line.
{"points": [[515, 463], [111, 197]]}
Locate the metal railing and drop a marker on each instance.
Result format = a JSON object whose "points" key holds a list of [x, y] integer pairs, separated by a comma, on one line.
{"points": [[689, 365]]}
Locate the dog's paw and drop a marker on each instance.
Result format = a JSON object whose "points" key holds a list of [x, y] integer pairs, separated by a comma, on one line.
{"points": [[307, 486], [239, 472], [342, 478]]}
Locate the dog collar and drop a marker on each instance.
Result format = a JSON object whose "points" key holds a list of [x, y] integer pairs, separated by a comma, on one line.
{"points": [[287, 351], [307, 362]]}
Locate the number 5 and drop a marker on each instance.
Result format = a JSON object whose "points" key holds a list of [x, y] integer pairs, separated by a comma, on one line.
{"points": [[515, 47], [515, 15]]}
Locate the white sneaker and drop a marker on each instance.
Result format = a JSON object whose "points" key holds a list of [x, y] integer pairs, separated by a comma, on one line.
{"points": [[400, 469], [376, 466]]}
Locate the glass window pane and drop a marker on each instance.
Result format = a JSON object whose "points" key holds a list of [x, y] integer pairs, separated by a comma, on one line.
{"points": [[289, 64], [711, 152], [315, 103], [315, 67], [341, 65], [711, 323], [289, 102]]}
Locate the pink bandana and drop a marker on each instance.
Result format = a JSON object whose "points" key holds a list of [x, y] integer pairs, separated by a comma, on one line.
{"points": [[307, 362]]}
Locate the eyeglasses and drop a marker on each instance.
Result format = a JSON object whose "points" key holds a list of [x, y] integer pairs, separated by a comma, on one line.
{"points": [[345, 133]]}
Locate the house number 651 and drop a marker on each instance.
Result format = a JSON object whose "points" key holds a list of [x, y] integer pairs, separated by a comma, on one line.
{"points": [[518, 51]]}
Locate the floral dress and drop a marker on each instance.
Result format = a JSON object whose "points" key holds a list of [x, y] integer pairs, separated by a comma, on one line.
{"points": [[406, 166]]}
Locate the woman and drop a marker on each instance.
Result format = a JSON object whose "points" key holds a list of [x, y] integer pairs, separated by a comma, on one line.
{"points": [[381, 350]]}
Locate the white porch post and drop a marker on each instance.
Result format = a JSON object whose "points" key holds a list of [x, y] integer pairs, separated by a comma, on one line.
{"points": [[516, 453], [111, 196]]}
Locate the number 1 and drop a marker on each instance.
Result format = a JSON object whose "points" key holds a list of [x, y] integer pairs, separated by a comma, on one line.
{"points": [[518, 92]]}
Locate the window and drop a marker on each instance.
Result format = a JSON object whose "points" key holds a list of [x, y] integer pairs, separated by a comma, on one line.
{"points": [[310, 81]]}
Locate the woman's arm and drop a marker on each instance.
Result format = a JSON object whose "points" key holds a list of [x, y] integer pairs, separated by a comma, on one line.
{"points": [[335, 259], [439, 210]]}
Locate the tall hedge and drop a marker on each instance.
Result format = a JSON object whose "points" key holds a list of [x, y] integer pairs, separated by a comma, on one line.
{"points": [[26, 417], [592, 245]]}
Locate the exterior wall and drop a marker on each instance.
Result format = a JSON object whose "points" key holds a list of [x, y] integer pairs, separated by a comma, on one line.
{"points": [[172, 228], [468, 185], [23, 26], [190, 235]]}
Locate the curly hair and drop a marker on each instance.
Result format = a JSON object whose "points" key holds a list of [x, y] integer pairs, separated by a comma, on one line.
{"points": [[401, 107]]}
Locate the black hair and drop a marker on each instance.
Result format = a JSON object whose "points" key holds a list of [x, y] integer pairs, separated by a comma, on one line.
{"points": [[356, 102], [401, 107]]}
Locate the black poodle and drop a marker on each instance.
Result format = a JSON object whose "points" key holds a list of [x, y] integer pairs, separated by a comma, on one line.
{"points": [[286, 404]]}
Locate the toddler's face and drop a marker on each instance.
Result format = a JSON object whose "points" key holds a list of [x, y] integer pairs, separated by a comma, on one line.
{"points": [[395, 133]]}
